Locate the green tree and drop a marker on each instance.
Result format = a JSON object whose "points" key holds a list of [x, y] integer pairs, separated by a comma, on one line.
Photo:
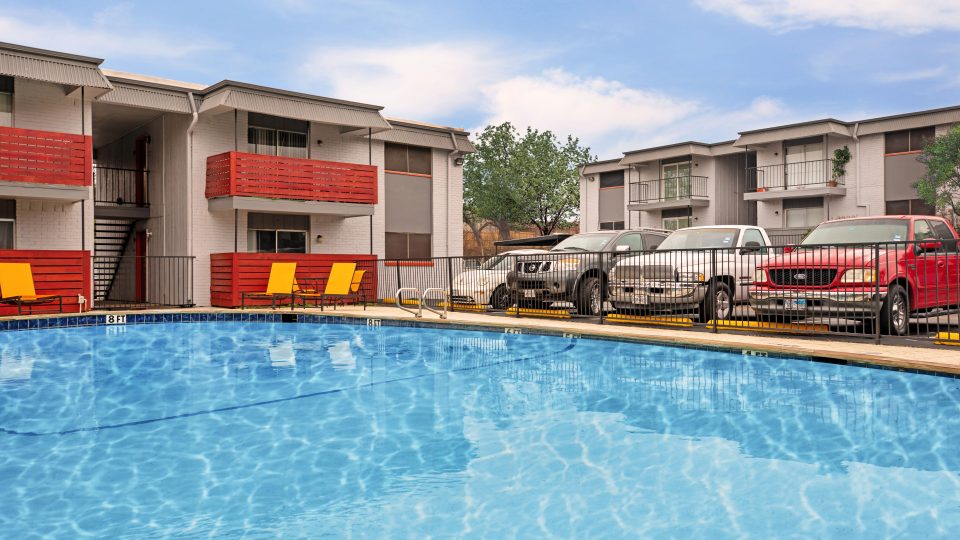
{"points": [[940, 185], [515, 180]]}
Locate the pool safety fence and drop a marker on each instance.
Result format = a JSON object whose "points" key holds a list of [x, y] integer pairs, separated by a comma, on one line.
{"points": [[142, 282], [876, 291]]}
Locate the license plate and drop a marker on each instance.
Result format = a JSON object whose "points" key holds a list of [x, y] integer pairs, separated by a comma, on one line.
{"points": [[640, 299], [529, 294], [798, 303]]}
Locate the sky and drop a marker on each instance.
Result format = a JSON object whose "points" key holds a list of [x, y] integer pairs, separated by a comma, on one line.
{"points": [[619, 75]]}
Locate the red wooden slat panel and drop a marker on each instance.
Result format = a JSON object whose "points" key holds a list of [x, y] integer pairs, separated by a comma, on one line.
{"points": [[254, 175], [45, 157], [66, 273], [233, 273]]}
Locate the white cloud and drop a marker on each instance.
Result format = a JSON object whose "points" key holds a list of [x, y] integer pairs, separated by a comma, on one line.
{"points": [[435, 81], [417, 81], [910, 76], [903, 16], [600, 111], [111, 33]]}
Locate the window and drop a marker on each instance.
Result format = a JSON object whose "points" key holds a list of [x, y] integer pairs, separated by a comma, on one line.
{"points": [[612, 226], [945, 235], [676, 180], [633, 241], [612, 179], [923, 231], [908, 140], [652, 241], [8, 218], [676, 219], [911, 207], [753, 238], [803, 162], [802, 213], [407, 246], [276, 136], [6, 101], [277, 233], [403, 158]]}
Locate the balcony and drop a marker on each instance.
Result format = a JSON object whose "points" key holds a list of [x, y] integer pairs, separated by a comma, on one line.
{"points": [[243, 181], [790, 180], [666, 193], [121, 193], [45, 164]]}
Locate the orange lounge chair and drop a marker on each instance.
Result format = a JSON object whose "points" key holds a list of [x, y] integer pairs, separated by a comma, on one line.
{"points": [[16, 288], [282, 284], [343, 282]]}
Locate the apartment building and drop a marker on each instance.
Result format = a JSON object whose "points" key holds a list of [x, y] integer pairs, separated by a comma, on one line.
{"points": [[151, 191], [782, 178]]}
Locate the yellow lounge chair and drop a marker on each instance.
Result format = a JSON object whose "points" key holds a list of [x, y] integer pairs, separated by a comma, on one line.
{"points": [[342, 282], [281, 285], [16, 288]]}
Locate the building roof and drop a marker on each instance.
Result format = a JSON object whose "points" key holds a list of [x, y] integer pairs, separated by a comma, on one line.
{"points": [[53, 67]]}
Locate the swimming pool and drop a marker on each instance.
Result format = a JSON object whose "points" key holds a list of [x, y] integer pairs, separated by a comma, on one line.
{"points": [[313, 430]]}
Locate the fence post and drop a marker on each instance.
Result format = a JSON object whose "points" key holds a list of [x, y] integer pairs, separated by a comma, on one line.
{"points": [[604, 271], [713, 289], [876, 294], [450, 281], [399, 284]]}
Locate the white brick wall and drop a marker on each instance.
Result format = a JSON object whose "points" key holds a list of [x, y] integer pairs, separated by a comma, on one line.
{"points": [[50, 225], [47, 107]]}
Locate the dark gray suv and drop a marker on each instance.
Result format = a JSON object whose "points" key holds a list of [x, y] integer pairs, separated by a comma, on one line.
{"points": [[576, 269]]}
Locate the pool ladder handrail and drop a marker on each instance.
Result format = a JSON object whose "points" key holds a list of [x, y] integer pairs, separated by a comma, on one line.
{"points": [[444, 301], [418, 313]]}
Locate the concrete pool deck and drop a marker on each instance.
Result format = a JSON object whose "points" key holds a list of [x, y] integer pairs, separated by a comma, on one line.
{"points": [[858, 351]]}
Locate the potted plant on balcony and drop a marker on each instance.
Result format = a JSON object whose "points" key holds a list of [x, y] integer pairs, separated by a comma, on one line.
{"points": [[841, 156]]}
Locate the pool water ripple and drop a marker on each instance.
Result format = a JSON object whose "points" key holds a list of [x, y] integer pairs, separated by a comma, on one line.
{"points": [[265, 430]]}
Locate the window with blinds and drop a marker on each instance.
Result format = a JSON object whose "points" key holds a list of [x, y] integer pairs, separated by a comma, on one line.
{"points": [[403, 158], [276, 136], [6, 101]]}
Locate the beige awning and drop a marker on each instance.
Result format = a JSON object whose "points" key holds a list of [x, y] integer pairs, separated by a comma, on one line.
{"points": [[665, 152], [910, 121], [52, 67], [431, 139], [796, 131], [147, 98], [229, 98]]}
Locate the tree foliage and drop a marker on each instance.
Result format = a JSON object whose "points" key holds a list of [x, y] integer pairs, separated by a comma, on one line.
{"points": [[515, 180], [940, 185]]}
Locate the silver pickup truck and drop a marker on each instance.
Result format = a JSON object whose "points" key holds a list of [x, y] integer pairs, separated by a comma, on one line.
{"points": [[680, 274]]}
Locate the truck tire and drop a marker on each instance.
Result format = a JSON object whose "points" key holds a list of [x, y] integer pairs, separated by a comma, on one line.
{"points": [[589, 298], [895, 312], [719, 305], [500, 298]]}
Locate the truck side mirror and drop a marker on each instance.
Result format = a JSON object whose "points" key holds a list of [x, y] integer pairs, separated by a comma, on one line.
{"points": [[924, 247]]}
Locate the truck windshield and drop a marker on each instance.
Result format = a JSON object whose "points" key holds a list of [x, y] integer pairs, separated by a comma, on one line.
{"points": [[701, 239], [497, 262], [584, 242], [859, 231]]}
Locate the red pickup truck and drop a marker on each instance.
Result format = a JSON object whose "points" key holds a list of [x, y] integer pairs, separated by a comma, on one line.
{"points": [[907, 266]]}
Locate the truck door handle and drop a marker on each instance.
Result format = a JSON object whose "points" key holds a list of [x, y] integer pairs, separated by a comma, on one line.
{"points": [[941, 264]]}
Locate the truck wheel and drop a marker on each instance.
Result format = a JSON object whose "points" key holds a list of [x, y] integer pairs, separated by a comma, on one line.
{"points": [[895, 312], [719, 306], [589, 300], [500, 299]]}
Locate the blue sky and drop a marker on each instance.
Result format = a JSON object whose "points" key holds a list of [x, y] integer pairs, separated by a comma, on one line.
{"points": [[620, 75]]}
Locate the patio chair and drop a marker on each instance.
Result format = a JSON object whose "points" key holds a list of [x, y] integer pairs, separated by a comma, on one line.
{"points": [[355, 287], [342, 283], [17, 289], [280, 285]]}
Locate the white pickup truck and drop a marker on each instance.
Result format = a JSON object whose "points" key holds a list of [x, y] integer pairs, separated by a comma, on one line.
{"points": [[679, 276]]}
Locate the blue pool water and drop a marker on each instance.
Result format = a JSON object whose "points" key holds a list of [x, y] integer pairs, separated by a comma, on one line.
{"points": [[265, 430]]}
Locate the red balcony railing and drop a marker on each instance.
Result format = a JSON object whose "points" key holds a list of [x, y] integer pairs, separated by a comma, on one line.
{"points": [[45, 157], [232, 274], [66, 273], [253, 175]]}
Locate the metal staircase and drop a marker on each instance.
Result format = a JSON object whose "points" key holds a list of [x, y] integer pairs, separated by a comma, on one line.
{"points": [[111, 238]]}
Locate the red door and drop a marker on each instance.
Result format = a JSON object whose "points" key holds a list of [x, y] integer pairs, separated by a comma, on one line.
{"points": [[140, 175], [140, 248]]}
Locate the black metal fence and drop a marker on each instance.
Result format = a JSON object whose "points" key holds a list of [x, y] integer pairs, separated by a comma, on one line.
{"points": [[114, 186], [802, 174], [874, 291], [131, 282], [669, 189]]}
